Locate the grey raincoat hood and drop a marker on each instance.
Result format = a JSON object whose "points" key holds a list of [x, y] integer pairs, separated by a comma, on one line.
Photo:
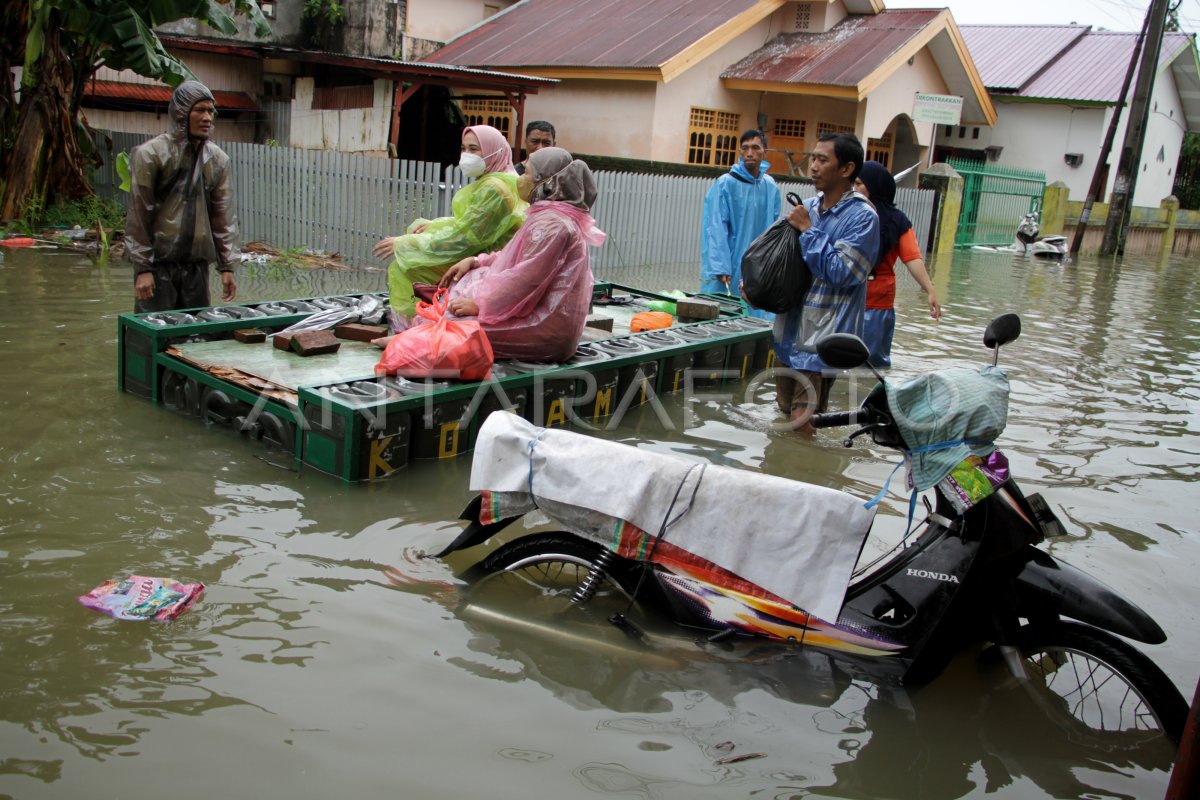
{"points": [[186, 95]]}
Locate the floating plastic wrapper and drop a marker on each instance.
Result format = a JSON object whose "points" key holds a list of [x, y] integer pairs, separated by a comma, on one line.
{"points": [[139, 597]]}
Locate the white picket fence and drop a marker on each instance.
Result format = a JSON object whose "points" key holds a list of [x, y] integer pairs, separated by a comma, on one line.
{"points": [[343, 203]]}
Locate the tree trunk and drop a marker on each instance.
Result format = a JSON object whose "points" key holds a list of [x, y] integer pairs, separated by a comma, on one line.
{"points": [[14, 27], [24, 185], [45, 161]]}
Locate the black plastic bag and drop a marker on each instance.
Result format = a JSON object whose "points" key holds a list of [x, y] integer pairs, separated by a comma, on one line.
{"points": [[774, 275]]}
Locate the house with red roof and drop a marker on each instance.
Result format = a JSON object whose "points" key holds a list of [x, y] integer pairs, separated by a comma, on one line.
{"points": [[365, 94], [678, 81], [1055, 89]]}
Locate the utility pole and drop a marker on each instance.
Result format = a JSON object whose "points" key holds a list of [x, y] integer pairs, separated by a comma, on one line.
{"points": [[1097, 185], [1135, 133]]}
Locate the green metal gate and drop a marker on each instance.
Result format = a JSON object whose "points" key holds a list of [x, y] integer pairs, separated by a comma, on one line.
{"points": [[995, 199]]}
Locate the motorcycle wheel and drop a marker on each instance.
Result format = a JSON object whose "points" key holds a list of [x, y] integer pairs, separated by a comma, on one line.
{"points": [[1106, 689], [549, 568]]}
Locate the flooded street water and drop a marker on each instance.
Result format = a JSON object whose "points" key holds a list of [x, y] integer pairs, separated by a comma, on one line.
{"points": [[326, 659]]}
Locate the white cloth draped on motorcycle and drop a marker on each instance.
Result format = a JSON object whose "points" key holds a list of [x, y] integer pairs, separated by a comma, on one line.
{"points": [[793, 539]]}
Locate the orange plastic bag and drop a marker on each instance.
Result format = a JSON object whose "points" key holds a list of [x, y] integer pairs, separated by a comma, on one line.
{"points": [[650, 321], [440, 349]]}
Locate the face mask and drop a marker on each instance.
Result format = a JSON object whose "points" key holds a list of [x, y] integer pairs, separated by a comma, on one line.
{"points": [[472, 165]]}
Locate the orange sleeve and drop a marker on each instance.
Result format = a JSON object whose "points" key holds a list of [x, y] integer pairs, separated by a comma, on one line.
{"points": [[910, 250]]}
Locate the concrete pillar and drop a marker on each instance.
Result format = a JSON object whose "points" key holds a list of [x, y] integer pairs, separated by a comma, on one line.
{"points": [[302, 123], [943, 179], [1054, 208], [1170, 205]]}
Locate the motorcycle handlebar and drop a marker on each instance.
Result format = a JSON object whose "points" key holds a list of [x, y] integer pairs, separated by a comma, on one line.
{"points": [[836, 420]]}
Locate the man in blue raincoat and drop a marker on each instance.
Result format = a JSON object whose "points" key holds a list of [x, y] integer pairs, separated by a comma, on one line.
{"points": [[739, 206], [839, 239]]}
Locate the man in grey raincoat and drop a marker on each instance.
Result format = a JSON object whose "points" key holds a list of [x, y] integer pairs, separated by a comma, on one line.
{"points": [[181, 216]]}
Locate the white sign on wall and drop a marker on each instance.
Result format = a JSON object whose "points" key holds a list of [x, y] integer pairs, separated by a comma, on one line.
{"points": [[942, 109]]}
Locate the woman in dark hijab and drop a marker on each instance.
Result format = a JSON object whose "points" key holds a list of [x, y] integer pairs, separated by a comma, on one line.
{"points": [[897, 240]]}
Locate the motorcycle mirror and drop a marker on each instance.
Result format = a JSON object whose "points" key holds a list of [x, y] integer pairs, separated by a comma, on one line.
{"points": [[843, 351], [1002, 330]]}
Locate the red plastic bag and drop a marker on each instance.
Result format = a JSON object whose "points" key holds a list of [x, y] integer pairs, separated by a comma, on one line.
{"points": [[441, 348]]}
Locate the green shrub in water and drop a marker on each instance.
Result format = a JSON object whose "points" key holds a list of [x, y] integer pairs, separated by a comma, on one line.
{"points": [[85, 213]]}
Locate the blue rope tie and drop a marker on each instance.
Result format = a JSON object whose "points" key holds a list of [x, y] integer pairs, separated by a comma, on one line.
{"points": [[929, 448], [874, 501], [532, 444], [912, 498]]}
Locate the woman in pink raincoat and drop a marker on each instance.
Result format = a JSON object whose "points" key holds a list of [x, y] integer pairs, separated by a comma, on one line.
{"points": [[532, 297]]}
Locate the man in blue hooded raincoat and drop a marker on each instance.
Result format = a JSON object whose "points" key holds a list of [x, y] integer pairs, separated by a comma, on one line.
{"points": [[739, 206]]}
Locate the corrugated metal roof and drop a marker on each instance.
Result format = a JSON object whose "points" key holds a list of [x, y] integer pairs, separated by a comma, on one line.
{"points": [[842, 56], [389, 68], [1094, 69], [394, 68], [1058, 62], [1091, 71], [161, 95], [1008, 56], [600, 33]]}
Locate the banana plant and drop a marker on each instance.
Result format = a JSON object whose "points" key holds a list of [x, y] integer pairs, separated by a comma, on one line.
{"points": [[123, 171], [127, 30], [46, 146]]}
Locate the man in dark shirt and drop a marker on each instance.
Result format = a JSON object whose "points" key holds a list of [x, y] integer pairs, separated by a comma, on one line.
{"points": [[538, 134]]}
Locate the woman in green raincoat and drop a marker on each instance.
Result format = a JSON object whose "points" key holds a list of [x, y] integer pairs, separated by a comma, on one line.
{"points": [[486, 214]]}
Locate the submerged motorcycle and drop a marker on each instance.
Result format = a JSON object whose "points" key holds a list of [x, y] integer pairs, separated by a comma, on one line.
{"points": [[970, 573], [1028, 241]]}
